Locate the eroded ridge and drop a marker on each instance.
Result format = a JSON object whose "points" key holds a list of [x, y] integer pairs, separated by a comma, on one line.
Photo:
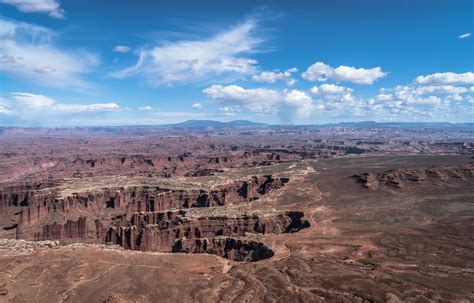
{"points": [[150, 215], [176, 231], [401, 178]]}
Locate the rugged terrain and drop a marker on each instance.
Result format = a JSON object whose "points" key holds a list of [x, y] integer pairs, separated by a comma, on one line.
{"points": [[288, 215]]}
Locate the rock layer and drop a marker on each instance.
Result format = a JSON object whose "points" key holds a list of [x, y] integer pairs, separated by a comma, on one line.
{"points": [[162, 231], [230, 248], [401, 178], [148, 216]]}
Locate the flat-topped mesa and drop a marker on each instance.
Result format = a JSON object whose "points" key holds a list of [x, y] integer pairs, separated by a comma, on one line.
{"points": [[400, 178], [50, 212], [168, 231]]}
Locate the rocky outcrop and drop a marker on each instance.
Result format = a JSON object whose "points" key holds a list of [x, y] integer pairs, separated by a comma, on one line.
{"points": [[22, 246], [20, 195], [234, 249], [44, 211], [400, 178], [69, 230], [160, 231], [36, 203], [148, 215]]}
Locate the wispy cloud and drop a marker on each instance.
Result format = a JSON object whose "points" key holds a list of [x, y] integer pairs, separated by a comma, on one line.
{"points": [[188, 61], [464, 36], [30, 101], [121, 49], [50, 7], [323, 72], [28, 51], [29, 106], [146, 108]]}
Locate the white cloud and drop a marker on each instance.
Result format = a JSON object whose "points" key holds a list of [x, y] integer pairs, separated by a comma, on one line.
{"points": [[431, 100], [464, 36], [4, 110], [50, 7], [146, 108], [440, 89], [197, 105], [27, 51], [43, 69], [446, 79], [257, 100], [291, 82], [83, 108], [295, 105], [327, 89], [322, 72], [30, 100], [412, 92], [121, 49], [289, 105], [198, 60], [228, 109], [274, 76], [455, 97], [33, 106]]}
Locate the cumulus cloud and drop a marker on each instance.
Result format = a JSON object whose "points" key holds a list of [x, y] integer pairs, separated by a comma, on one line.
{"points": [[295, 105], [198, 60], [50, 7], [423, 101], [27, 51], [441, 89], [464, 36], [146, 108], [455, 97], [446, 79], [291, 82], [274, 76], [289, 105], [121, 49], [327, 89], [197, 105], [323, 72]]}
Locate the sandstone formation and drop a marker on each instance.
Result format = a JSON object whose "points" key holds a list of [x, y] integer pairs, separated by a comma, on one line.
{"points": [[143, 214], [166, 232], [146, 215], [401, 178], [236, 249]]}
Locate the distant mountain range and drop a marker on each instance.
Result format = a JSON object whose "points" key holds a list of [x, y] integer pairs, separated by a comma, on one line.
{"points": [[204, 125], [363, 124], [373, 124], [214, 124]]}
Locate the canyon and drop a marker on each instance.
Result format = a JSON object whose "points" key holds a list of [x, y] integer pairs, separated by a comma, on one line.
{"points": [[238, 214]]}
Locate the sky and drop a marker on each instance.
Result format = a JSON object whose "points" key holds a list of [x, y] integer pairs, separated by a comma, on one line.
{"points": [[144, 62]]}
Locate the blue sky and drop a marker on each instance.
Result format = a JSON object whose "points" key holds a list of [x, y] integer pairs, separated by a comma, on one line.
{"points": [[67, 63]]}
